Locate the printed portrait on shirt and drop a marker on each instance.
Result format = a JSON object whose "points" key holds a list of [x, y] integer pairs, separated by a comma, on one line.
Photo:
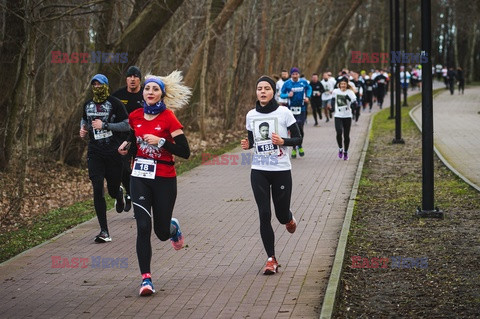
{"points": [[341, 100], [263, 128]]}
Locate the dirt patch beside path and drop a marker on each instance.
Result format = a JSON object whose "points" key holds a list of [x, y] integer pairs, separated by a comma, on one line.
{"points": [[434, 272]]}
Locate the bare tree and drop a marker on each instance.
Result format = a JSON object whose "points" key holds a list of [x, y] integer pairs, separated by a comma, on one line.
{"points": [[335, 36], [66, 144]]}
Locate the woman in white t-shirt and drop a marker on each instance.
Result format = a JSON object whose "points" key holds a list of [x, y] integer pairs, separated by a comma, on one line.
{"points": [[271, 167], [343, 99]]}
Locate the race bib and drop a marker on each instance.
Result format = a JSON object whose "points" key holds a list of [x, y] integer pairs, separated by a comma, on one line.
{"points": [[144, 168], [100, 134], [266, 148], [296, 110], [316, 93], [369, 88]]}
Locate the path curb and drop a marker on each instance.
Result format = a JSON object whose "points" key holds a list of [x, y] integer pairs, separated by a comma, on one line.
{"points": [[328, 305]]}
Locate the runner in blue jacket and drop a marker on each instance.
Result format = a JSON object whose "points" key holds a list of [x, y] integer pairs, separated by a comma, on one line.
{"points": [[298, 93]]}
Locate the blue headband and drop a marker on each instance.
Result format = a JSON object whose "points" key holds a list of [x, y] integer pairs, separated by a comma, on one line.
{"points": [[159, 82]]}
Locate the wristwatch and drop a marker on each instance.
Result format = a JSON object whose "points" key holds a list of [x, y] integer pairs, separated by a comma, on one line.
{"points": [[161, 142]]}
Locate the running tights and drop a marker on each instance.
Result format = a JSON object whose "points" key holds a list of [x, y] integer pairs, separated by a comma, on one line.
{"points": [[342, 125], [280, 184], [100, 167], [152, 198]]}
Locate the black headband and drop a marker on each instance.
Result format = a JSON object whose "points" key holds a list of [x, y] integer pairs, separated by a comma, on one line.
{"points": [[269, 80]]}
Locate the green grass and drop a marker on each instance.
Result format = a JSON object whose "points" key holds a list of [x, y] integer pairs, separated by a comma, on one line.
{"points": [[45, 227], [384, 221], [59, 220]]}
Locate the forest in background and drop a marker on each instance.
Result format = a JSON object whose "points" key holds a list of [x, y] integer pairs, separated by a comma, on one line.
{"points": [[221, 46]]}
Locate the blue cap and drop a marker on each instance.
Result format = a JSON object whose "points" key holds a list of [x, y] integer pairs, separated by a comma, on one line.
{"points": [[293, 70], [102, 79]]}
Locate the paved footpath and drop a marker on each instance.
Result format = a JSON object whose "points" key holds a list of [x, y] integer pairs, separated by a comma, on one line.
{"points": [[456, 124], [219, 272]]}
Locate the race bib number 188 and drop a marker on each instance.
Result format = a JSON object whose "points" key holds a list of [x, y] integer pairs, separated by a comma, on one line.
{"points": [[266, 148]]}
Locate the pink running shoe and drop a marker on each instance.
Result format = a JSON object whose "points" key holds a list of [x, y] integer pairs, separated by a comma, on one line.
{"points": [[177, 239]]}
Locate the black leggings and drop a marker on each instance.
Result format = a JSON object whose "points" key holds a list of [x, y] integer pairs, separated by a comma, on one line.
{"points": [[106, 166], [342, 125], [126, 172], [316, 108], [461, 86], [158, 196], [380, 95], [280, 183]]}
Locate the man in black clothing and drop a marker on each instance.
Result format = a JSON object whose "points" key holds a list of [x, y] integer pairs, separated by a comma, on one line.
{"points": [[451, 80], [316, 99], [132, 97], [359, 94], [368, 96], [381, 81], [104, 118]]}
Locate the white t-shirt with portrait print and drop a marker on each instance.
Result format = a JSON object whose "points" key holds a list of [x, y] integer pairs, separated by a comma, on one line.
{"points": [[266, 156], [343, 99]]}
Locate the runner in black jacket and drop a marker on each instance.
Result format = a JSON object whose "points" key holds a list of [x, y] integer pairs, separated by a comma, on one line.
{"points": [[104, 117]]}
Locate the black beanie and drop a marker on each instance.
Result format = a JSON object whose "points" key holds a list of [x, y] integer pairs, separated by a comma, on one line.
{"points": [[133, 70], [270, 81]]}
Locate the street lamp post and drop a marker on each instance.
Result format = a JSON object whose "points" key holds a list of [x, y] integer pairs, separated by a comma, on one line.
{"points": [[392, 81], [405, 103], [398, 111], [428, 209]]}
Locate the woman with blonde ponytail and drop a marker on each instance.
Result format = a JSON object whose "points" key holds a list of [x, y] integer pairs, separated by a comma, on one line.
{"points": [[159, 137]]}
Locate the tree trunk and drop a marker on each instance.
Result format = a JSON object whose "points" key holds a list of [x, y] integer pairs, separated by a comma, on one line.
{"points": [[335, 36], [203, 76], [193, 74], [239, 48], [263, 37], [137, 8], [473, 44], [29, 102], [217, 28], [138, 35], [12, 53], [303, 42], [231, 72]]}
